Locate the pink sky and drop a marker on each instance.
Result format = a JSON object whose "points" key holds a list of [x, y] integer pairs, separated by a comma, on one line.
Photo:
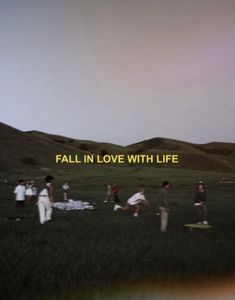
{"points": [[119, 71]]}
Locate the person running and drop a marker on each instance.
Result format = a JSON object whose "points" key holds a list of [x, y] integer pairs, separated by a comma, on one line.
{"points": [[108, 193], [19, 192], [200, 199], [45, 201], [65, 188], [164, 208], [115, 191], [134, 201]]}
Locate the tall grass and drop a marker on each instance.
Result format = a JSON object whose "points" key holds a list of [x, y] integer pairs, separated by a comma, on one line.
{"points": [[86, 250]]}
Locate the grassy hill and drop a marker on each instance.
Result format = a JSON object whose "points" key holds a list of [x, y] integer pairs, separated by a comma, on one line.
{"points": [[36, 151], [212, 156]]}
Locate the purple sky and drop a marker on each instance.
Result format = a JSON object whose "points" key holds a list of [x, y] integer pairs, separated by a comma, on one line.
{"points": [[119, 70]]}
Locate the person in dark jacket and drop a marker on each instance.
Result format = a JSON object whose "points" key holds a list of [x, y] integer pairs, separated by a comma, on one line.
{"points": [[163, 200], [200, 200]]}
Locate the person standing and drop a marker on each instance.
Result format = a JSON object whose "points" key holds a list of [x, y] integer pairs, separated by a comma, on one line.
{"points": [[29, 191], [164, 208], [45, 201], [200, 199], [115, 191], [34, 189], [65, 188], [19, 192], [108, 193]]}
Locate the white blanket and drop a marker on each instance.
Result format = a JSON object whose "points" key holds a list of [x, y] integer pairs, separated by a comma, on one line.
{"points": [[73, 205]]}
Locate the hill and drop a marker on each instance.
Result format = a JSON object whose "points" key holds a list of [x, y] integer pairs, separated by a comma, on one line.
{"points": [[214, 156], [36, 150], [20, 150]]}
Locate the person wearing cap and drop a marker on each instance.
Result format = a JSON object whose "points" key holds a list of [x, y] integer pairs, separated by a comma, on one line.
{"points": [[45, 201], [200, 203], [163, 200]]}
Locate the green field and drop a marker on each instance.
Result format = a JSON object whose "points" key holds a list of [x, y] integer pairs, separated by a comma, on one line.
{"points": [[96, 254]]}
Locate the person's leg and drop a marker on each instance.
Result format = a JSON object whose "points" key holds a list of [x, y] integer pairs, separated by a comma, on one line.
{"points": [[204, 211], [41, 211], [29, 199], [124, 208], [19, 208], [164, 219], [106, 198], [136, 210], [116, 198], [109, 198], [48, 210], [199, 213]]}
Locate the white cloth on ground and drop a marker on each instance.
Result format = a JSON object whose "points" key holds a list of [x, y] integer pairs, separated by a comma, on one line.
{"points": [[73, 205]]}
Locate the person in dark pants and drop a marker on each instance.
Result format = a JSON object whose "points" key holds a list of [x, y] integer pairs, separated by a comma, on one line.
{"points": [[163, 200], [115, 191], [19, 192], [200, 199]]}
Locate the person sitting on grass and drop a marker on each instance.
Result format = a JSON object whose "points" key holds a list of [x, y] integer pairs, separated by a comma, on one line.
{"points": [[200, 203], [134, 201]]}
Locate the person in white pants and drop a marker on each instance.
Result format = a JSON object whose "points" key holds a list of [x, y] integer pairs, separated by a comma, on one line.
{"points": [[45, 201]]}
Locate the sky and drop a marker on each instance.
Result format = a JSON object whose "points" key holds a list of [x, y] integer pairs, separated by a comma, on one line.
{"points": [[119, 71]]}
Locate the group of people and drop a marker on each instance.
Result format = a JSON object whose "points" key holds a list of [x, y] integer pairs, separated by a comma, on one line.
{"points": [[45, 200], [28, 191], [24, 191], [139, 198]]}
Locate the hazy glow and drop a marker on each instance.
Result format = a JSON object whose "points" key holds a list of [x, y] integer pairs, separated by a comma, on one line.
{"points": [[119, 71]]}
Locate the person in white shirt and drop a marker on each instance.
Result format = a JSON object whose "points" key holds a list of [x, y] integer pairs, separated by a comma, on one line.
{"points": [[34, 189], [29, 191], [134, 201], [19, 192], [65, 188], [108, 193], [45, 201]]}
